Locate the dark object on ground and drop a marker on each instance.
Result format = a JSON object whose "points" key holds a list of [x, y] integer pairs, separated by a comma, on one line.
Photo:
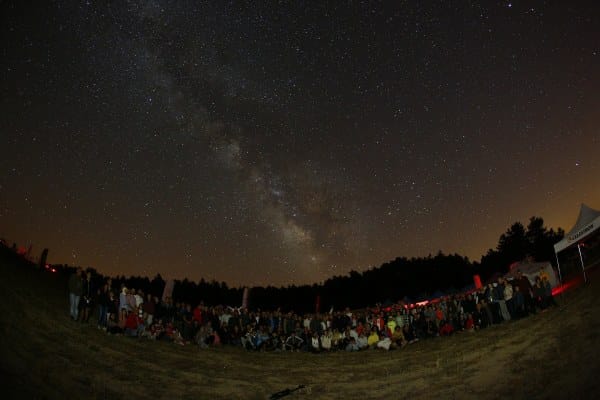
{"points": [[285, 392]]}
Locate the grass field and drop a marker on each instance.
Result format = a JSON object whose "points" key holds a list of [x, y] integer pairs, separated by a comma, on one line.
{"points": [[552, 355]]}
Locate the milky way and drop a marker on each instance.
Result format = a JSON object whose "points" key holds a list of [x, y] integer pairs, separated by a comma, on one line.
{"points": [[255, 143]]}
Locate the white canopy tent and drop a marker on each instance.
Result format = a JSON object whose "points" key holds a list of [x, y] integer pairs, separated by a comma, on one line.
{"points": [[587, 223], [532, 270]]}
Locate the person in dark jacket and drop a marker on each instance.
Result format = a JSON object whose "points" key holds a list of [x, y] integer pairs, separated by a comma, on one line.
{"points": [[86, 300], [75, 291], [525, 288], [519, 303], [103, 300]]}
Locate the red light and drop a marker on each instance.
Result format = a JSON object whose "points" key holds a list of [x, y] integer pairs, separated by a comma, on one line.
{"points": [[566, 286]]}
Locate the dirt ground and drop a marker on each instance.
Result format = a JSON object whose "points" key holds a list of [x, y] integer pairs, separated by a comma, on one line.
{"points": [[552, 355]]}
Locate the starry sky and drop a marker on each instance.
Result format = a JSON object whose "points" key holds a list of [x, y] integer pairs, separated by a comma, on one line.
{"points": [[277, 143]]}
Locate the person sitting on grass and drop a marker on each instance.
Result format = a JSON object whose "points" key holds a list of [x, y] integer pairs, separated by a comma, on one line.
{"points": [[385, 342], [352, 346], [259, 340], [337, 340], [398, 338], [326, 340], [315, 343], [134, 325], [363, 341], [205, 336], [112, 326], [351, 331], [372, 339], [426, 326], [156, 330], [275, 342], [469, 324], [409, 334], [294, 342], [446, 328], [247, 337], [173, 335], [235, 335]]}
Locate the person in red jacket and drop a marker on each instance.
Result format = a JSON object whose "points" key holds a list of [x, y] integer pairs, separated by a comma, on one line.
{"points": [[446, 328], [134, 324], [197, 314]]}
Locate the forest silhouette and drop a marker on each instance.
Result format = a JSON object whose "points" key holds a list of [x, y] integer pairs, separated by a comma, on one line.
{"points": [[403, 279]]}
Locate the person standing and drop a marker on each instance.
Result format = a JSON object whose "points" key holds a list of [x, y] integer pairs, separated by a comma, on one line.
{"points": [[88, 292], [508, 298], [75, 291], [103, 301], [526, 290], [500, 299]]}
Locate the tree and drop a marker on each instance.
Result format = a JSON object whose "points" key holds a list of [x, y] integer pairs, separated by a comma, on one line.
{"points": [[513, 245], [517, 243], [541, 240]]}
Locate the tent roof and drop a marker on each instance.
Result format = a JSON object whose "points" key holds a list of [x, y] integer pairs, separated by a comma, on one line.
{"points": [[587, 222]]}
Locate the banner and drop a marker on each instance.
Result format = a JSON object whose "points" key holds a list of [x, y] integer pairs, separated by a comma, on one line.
{"points": [[245, 298], [477, 281], [168, 291]]}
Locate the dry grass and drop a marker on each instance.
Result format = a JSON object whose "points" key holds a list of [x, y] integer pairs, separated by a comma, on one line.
{"points": [[45, 355]]}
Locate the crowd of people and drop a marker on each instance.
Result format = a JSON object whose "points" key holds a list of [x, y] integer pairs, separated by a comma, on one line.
{"points": [[132, 313]]}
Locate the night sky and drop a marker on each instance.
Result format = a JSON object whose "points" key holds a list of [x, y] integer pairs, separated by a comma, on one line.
{"points": [[284, 143]]}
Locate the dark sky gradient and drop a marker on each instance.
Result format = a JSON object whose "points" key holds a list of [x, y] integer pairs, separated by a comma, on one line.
{"points": [[276, 144]]}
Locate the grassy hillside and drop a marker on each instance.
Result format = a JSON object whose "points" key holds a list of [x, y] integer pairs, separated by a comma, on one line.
{"points": [[553, 355]]}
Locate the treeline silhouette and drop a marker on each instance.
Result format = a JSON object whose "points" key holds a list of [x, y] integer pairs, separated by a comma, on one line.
{"points": [[405, 279]]}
